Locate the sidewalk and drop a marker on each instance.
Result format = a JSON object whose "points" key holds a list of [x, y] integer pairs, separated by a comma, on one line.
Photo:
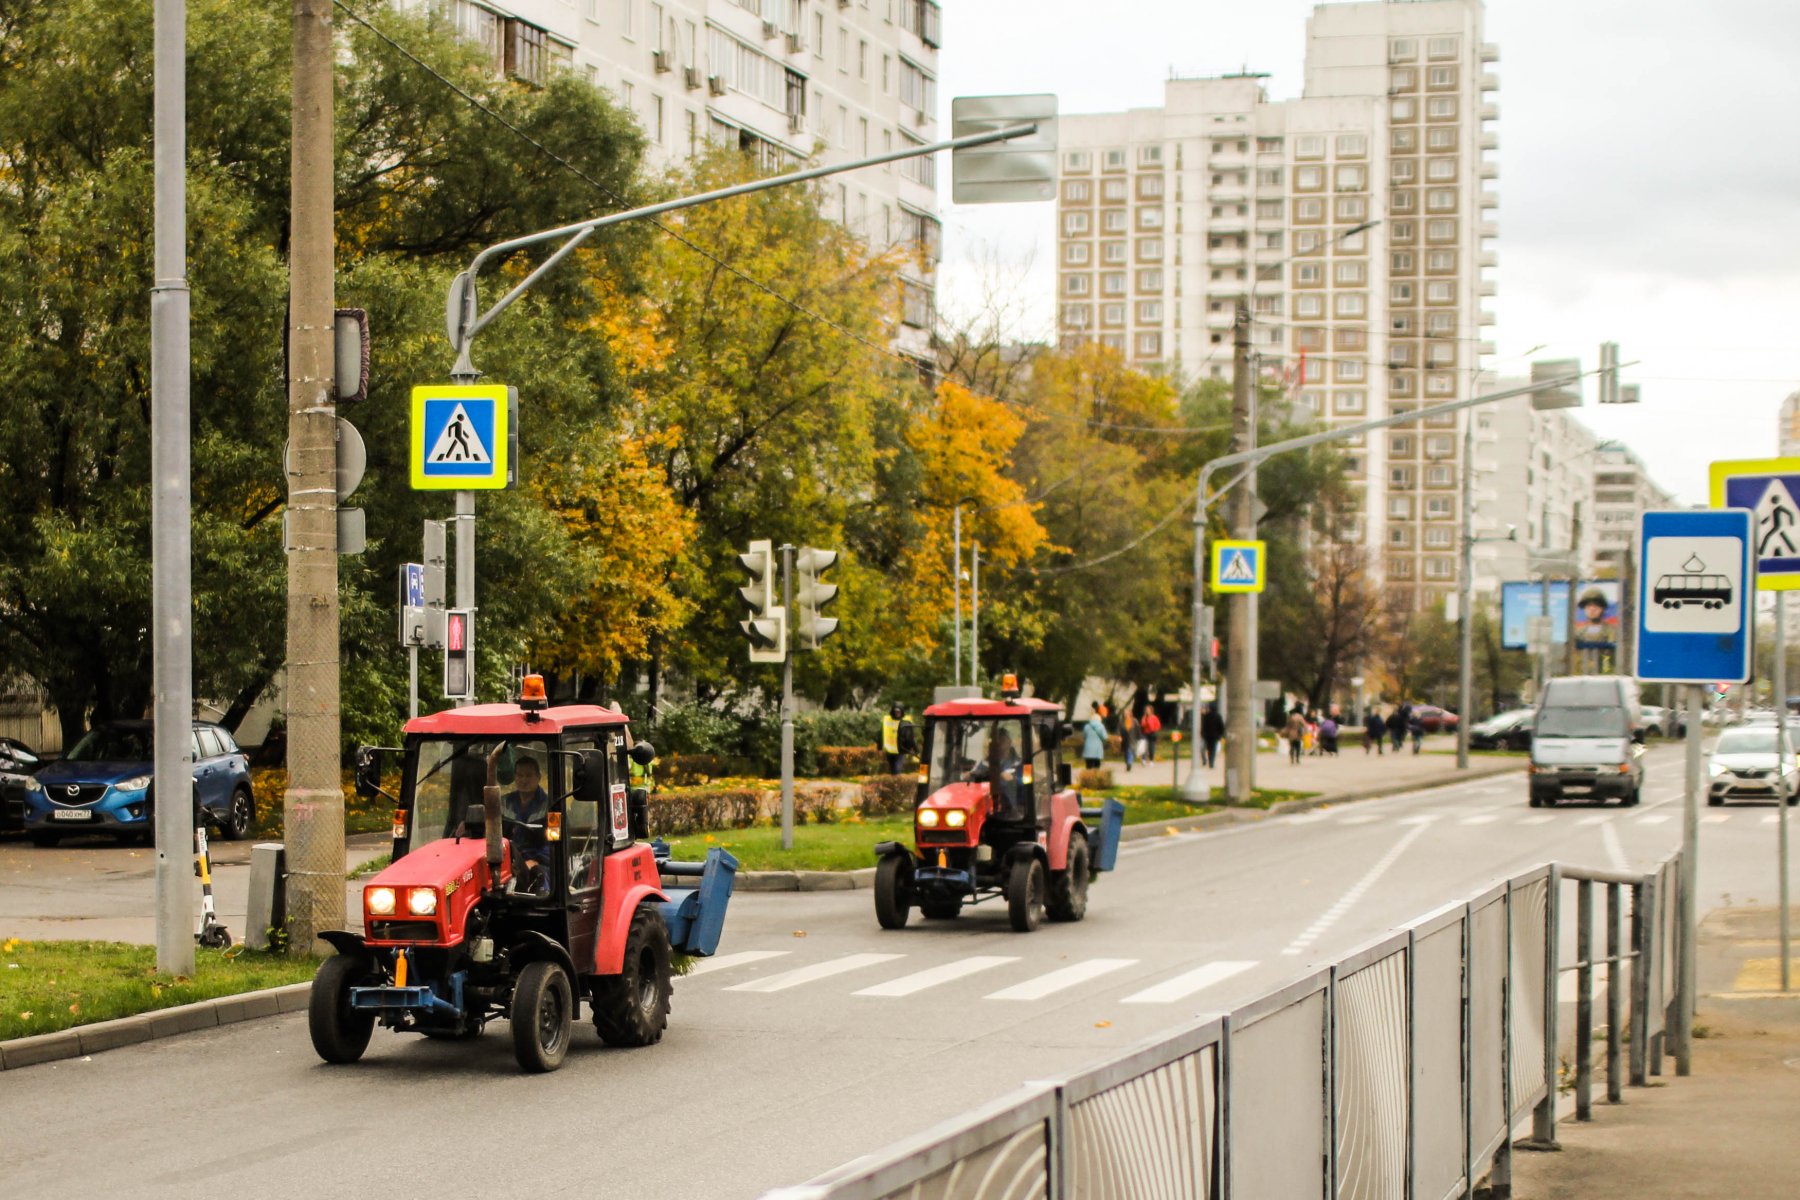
{"points": [[1351, 771], [1727, 1130]]}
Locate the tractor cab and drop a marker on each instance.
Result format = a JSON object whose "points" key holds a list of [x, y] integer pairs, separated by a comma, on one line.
{"points": [[522, 883], [996, 817]]}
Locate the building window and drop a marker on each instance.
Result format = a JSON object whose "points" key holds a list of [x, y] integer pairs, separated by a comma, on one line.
{"points": [[1440, 199], [915, 304], [1347, 338], [1441, 47], [1399, 536], [1310, 146], [1352, 208], [1351, 370], [1309, 179], [1268, 210], [1112, 252], [1405, 141], [1439, 291], [1113, 191], [1149, 250], [918, 89], [1438, 445], [1439, 384], [1440, 324], [1309, 210], [1077, 191], [1437, 507], [1403, 108], [1401, 170], [1150, 279], [1440, 108], [1149, 311], [1400, 262], [1438, 537], [1307, 241], [1440, 169], [1309, 304], [1112, 314], [1075, 222], [1115, 161], [1268, 145], [1352, 177], [1437, 476], [1402, 49], [1402, 200], [1442, 229], [1400, 293], [1352, 305], [1402, 79], [1076, 316], [1149, 187], [1149, 345], [1149, 156], [1078, 160], [1437, 568], [1075, 285], [1441, 77], [1270, 177], [1349, 402], [1440, 262], [1150, 218], [1113, 283], [1400, 477], [1075, 253], [1308, 273], [1401, 233], [1400, 507], [1112, 220]]}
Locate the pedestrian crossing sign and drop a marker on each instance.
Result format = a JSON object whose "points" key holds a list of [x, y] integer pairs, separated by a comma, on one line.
{"points": [[464, 437], [1237, 566], [1770, 489]]}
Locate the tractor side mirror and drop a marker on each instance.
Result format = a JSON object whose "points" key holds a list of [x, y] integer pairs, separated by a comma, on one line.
{"points": [[474, 821], [590, 776], [1065, 731], [1065, 776], [368, 772], [643, 753]]}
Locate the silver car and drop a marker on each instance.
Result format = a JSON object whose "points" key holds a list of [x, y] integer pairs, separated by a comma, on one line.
{"points": [[1744, 767]]}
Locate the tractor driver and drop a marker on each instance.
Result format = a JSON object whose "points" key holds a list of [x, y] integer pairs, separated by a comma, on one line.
{"points": [[1001, 768], [522, 812]]}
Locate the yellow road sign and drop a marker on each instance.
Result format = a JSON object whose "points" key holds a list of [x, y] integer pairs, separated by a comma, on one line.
{"points": [[1238, 566]]}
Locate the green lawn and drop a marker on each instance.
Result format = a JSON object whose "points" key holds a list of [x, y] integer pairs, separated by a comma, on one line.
{"points": [[1146, 804], [46, 986]]}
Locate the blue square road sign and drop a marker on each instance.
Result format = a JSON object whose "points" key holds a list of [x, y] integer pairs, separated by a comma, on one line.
{"points": [[1696, 588]]}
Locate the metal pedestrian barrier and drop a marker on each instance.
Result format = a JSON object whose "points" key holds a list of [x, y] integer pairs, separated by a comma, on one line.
{"points": [[1402, 1072]]}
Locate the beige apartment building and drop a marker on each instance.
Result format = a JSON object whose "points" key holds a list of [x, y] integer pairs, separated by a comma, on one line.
{"points": [[1168, 215], [786, 80]]}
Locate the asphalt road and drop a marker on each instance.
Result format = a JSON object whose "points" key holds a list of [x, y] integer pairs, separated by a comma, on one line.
{"points": [[816, 1036]]}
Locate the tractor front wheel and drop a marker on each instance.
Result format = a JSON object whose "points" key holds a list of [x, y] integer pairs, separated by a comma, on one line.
{"points": [[632, 1007], [339, 1033], [542, 1007], [893, 891], [1026, 890], [1069, 887]]}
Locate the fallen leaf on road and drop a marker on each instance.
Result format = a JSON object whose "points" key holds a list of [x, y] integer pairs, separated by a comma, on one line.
{"points": [[799, 933], [1102, 1024], [1171, 831]]}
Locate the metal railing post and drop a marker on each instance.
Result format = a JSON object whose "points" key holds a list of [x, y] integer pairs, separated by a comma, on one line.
{"points": [[1584, 1001], [1412, 1056], [1468, 1045], [1615, 896], [1331, 1088], [1643, 898], [1543, 1118], [1057, 1131], [1222, 1153], [1500, 1175]]}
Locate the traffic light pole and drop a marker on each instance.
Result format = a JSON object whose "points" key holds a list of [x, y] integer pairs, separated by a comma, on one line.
{"points": [[787, 706]]}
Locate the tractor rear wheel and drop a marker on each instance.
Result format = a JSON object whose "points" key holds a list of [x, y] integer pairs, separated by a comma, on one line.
{"points": [[1026, 892], [893, 891], [542, 1008], [1069, 887], [339, 1033], [632, 1007]]}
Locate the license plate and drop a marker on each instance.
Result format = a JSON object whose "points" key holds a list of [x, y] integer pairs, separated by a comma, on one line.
{"points": [[71, 814]]}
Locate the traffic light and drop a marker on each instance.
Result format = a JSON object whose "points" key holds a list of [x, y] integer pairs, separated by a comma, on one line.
{"points": [[767, 625], [812, 595], [459, 654]]}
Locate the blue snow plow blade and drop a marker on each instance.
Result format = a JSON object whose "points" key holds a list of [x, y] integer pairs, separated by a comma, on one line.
{"points": [[419, 999], [1108, 824], [696, 915]]}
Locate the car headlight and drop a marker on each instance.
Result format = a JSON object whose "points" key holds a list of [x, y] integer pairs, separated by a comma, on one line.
{"points": [[136, 783], [380, 900], [421, 901], [1715, 769], [928, 817], [32, 785], [956, 818]]}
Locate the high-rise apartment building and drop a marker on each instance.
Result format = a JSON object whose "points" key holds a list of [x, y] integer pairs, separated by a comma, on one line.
{"points": [[1167, 216], [1623, 491], [1788, 426], [786, 80]]}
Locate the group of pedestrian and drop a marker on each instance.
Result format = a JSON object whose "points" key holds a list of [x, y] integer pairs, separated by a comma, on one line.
{"points": [[1402, 722], [1137, 733], [1311, 732]]}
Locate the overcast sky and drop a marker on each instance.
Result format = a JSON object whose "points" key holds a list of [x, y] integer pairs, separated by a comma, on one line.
{"points": [[1649, 184]]}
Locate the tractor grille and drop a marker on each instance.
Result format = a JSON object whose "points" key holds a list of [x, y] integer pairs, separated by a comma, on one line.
{"points": [[403, 931], [943, 837], [74, 793]]}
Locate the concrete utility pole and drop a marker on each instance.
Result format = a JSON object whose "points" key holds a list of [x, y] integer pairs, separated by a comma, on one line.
{"points": [[1465, 600], [172, 604], [1240, 734], [313, 808]]}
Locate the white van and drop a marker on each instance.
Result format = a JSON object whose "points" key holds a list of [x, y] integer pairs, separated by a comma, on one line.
{"points": [[1588, 740]]}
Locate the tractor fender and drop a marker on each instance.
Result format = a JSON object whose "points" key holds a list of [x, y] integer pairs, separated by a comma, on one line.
{"points": [[345, 942], [615, 924], [532, 946], [1065, 817], [883, 849], [1026, 850]]}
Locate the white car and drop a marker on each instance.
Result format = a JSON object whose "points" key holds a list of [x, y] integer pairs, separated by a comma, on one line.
{"points": [[1743, 766]]}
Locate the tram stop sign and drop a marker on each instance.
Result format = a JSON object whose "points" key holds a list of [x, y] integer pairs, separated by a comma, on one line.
{"points": [[1695, 596]]}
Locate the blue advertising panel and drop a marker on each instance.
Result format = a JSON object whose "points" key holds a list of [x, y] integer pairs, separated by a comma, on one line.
{"points": [[1596, 613], [1694, 595]]}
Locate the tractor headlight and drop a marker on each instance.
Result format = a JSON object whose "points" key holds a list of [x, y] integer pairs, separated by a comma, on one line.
{"points": [[421, 901], [956, 818], [929, 817], [380, 900]]}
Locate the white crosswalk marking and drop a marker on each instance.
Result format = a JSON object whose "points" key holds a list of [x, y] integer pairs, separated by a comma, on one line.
{"points": [[918, 981], [1359, 819], [1654, 819], [1186, 984], [1770, 819], [814, 973], [1540, 819], [1715, 818], [1478, 820], [1056, 981], [1307, 818], [719, 962], [1421, 819], [1594, 820]]}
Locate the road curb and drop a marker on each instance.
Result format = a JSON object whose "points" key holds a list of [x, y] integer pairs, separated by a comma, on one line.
{"points": [[159, 1023]]}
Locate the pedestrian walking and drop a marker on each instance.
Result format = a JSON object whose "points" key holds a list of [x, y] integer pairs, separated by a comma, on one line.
{"points": [[1396, 725], [1295, 733], [1328, 736], [1151, 725], [1128, 736], [1093, 739], [890, 737], [1212, 732], [1374, 732], [1312, 732], [1415, 725]]}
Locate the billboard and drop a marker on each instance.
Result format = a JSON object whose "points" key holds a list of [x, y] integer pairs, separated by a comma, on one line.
{"points": [[1596, 613]]}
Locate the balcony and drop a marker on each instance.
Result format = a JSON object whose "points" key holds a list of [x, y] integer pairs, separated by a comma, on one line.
{"points": [[1222, 319], [1490, 199], [1226, 157], [1489, 111], [1490, 52], [1489, 140], [1225, 256], [1488, 258], [1488, 287], [1488, 229], [1233, 223], [1489, 82], [1487, 318], [1486, 348], [1490, 170]]}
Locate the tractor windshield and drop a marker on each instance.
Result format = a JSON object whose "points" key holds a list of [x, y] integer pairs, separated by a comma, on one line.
{"points": [[974, 750], [451, 772]]}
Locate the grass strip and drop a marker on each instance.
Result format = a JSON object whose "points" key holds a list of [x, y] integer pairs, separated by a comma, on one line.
{"points": [[51, 985]]}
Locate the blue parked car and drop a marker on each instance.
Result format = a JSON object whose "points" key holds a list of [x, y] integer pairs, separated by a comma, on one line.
{"points": [[103, 785]]}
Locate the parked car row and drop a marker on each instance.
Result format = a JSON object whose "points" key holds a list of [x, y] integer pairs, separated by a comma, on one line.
{"points": [[105, 784]]}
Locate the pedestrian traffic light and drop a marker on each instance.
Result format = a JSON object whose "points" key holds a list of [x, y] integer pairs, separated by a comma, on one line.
{"points": [[811, 597], [767, 625], [459, 654]]}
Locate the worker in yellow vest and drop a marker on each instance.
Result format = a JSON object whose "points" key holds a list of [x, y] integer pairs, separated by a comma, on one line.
{"points": [[890, 737]]}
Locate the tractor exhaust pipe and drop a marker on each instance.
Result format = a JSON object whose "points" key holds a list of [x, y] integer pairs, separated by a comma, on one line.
{"points": [[490, 806]]}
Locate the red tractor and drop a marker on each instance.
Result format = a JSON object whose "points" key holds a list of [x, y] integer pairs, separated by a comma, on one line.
{"points": [[997, 817], [522, 884]]}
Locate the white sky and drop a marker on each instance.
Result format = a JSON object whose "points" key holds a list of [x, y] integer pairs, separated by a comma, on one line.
{"points": [[1649, 184]]}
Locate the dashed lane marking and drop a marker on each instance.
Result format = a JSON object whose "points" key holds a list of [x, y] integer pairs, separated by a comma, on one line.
{"points": [[1350, 898]]}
